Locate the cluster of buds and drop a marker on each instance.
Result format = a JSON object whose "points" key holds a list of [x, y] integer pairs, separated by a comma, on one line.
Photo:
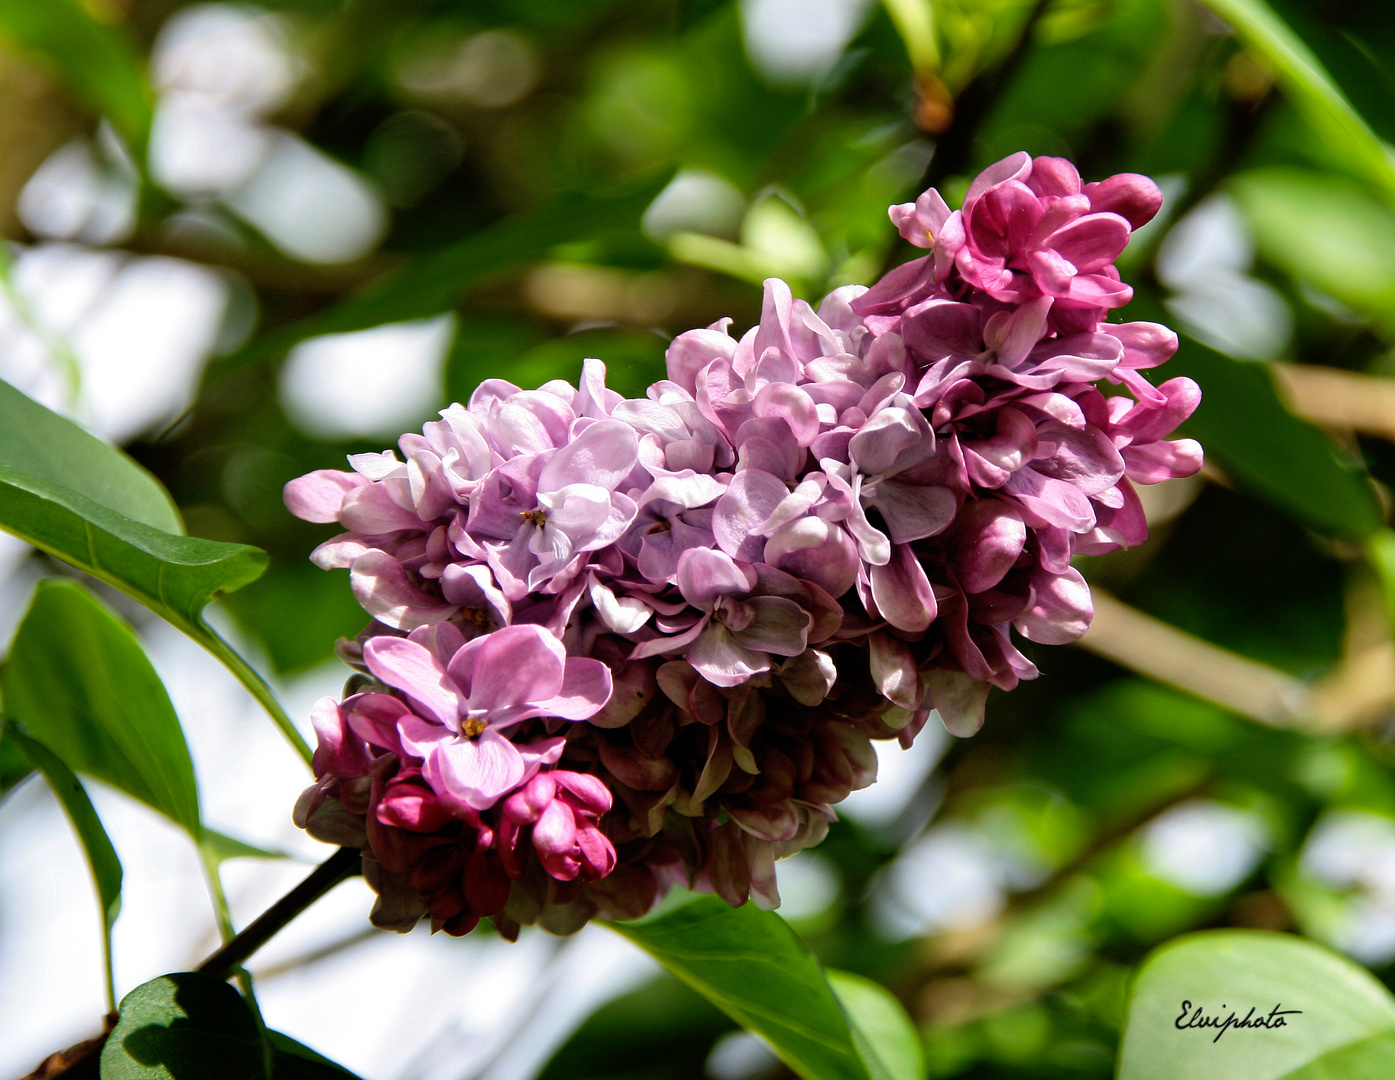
{"points": [[621, 645]]}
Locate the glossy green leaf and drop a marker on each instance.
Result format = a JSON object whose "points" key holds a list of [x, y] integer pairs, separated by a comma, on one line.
{"points": [[101, 856], [191, 1026], [1244, 427], [54, 451], [1325, 230], [294, 1061], [97, 59], [753, 966], [884, 1035], [433, 283], [184, 1026], [1341, 1022], [88, 504], [79, 680], [1312, 90]]}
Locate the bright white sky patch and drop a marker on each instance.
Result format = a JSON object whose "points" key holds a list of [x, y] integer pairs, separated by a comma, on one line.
{"points": [[371, 384]]}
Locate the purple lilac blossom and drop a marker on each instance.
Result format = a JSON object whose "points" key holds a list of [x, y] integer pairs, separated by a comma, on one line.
{"points": [[621, 645]]}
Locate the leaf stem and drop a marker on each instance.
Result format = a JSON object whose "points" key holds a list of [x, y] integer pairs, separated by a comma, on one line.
{"points": [[953, 150], [211, 866], [340, 866], [915, 23], [255, 684]]}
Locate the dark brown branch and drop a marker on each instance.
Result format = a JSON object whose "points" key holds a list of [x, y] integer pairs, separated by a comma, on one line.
{"points": [[340, 866]]}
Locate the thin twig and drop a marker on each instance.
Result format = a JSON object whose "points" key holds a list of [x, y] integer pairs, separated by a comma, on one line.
{"points": [[83, 1061], [1107, 840], [1161, 651], [340, 866]]}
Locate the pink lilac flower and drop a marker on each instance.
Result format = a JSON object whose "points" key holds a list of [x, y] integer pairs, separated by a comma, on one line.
{"points": [[618, 645]]}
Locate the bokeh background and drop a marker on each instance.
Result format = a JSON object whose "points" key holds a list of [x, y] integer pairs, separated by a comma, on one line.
{"points": [[245, 241]]}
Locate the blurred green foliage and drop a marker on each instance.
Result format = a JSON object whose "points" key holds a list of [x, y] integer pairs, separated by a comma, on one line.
{"points": [[522, 201]]}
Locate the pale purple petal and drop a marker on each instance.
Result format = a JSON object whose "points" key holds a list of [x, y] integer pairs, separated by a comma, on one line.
{"points": [[902, 592], [319, 496], [623, 614], [511, 668], [475, 771], [989, 538], [555, 831], [586, 687], [1053, 501], [1061, 609], [815, 550], [777, 626], [1152, 463], [370, 510], [603, 454], [959, 699], [893, 670], [705, 575], [750, 500], [387, 592], [912, 511], [791, 404], [409, 667], [690, 352], [722, 661]]}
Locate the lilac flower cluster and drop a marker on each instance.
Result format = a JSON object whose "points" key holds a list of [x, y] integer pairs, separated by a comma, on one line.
{"points": [[619, 645]]}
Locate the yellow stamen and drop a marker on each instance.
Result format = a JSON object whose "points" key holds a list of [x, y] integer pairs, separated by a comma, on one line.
{"points": [[473, 726], [535, 517]]}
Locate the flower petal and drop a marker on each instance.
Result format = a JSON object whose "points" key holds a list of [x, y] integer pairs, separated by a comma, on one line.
{"points": [[586, 687], [512, 667], [409, 667], [478, 772]]}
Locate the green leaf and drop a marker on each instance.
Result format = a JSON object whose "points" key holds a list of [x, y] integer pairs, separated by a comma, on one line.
{"points": [[1284, 460], [753, 966], [101, 856], [293, 1061], [79, 680], [14, 766], [1344, 1024], [98, 61], [88, 504], [1325, 230], [1369, 1059], [1380, 552], [882, 1032], [220, 847], [55, 451], [433, 283], [191, 1026], [184, 1026], [1311, 89]]}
